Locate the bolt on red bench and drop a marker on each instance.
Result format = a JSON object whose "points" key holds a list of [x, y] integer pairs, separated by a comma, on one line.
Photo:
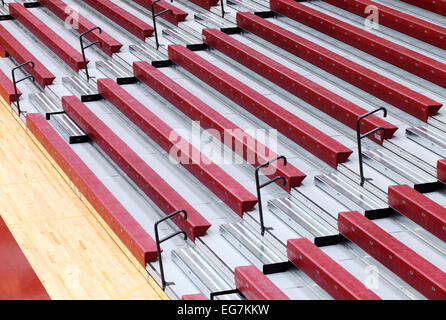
{"points": [[326, 272], [204, 169], [122, 17], [437, 6], [81, 24], [401, 260], [254, 285], [126, 228], [20, 54], [205, 4], [230, 134], [52, 40], [299, 131], [152, 184], [419, 208], [384, 88], [379, 47], [332, 104], [18, 280], [397, 20], [178, 14], [441, 170], [7, 88]]}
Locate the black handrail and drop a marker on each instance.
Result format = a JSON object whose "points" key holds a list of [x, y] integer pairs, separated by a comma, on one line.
{"points": [[14, 81], [222, 9], [154, 16], [88, 46], [360, 136], [260, 186], [158, 242], [222, 293]]}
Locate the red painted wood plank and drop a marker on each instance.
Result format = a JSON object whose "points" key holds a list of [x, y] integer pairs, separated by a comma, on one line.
{"points": [[20, 54], [18, 280], [177, 16], [304, 134], [406, 59], [254, 285], [196, 296], [401, 260], [419, 208], [397, 20], [52, 40], [384, 88], [81, 24], [326, 272], [332, 104], [152, 184], [245, 145], [441, 170], [7, 88], [122, 17], [128, 230], [437, 6], [204, 169], [205, 4]]}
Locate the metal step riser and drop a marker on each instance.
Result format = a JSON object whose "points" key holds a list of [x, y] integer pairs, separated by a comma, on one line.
{"points": [[254, 249]]}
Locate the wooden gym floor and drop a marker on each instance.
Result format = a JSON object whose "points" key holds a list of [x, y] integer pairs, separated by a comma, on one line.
{"points": [[71, 253]]}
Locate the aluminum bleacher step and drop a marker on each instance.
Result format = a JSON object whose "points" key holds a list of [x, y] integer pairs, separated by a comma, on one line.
{"points": [[416, 160], [109, 44], [326, 272], [406, 59], [396, 256], [45, 104], [400, 170], [299, 131], [437, 6], [352, 195], [7, 88], [126, 228], [152, 184], [298, 85], [429, 137], [79, 86], [177, 16], [67, 127], [51, 39], [145, 52], [384, 88], [179, 36], [122, 18], [255, 248], [20, 54], [205, 270], [209, 20], [254, 285], [4, 14], [244, 145], [240, 5], [397, 20], [419, 208], [116, 71], [305, 221], [225, 187]]}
